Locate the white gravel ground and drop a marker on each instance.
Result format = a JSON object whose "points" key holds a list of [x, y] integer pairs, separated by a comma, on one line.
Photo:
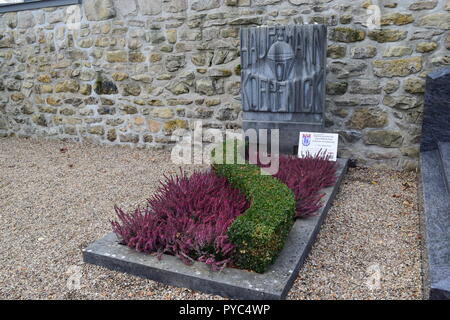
{"points": [[57, 197]]}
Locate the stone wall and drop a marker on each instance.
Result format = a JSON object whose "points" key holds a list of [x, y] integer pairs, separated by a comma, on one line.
{"points": [[132, 71]]}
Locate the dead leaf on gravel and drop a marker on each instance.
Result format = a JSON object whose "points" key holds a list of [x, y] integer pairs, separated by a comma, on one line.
{"points": [[407, 185], [407, 203], [396, 195], [63, 150]]}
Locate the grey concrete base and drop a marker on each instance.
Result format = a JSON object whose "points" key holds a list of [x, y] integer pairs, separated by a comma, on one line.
{"points": [[289, 132], [436, 229], [232, 283]]}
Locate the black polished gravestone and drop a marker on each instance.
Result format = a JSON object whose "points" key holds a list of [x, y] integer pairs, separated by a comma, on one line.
{"points": [[435, 184], [283, 80], [436, 116]]}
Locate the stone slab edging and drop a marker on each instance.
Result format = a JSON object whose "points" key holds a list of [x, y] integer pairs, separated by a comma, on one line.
{"points": [[435, 208], [232, 283], [444, 152]]}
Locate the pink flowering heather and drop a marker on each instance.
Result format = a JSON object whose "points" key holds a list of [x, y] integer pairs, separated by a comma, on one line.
{"points": [[306, 177], [187, 217]]}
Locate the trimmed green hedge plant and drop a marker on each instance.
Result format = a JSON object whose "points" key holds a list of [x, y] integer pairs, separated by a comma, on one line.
{"points": [[260, 232]]}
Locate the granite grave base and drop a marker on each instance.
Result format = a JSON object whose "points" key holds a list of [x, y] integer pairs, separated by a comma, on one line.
{"points": [[287, 131], [436, 223], [230, 282], [435, 184]]}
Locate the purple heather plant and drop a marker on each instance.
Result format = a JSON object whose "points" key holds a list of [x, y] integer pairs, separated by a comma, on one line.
{"points": [[306, 177], [187, 217]]}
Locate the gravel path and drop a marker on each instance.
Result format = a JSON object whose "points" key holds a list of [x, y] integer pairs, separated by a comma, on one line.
{"points": [[57, 197], [372, 228]]}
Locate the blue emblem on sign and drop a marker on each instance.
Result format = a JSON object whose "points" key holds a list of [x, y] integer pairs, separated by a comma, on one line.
{"points": [[306, 139]]}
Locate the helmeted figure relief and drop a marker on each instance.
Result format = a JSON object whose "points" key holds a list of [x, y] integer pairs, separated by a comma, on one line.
{"points": [[281, 58]]}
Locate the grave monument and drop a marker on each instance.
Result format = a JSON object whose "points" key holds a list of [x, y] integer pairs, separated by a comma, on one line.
{"points": [[435, 183], [283, 80]]}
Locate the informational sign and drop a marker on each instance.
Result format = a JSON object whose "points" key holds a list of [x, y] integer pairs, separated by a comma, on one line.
{"points": [[314, 142]]}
